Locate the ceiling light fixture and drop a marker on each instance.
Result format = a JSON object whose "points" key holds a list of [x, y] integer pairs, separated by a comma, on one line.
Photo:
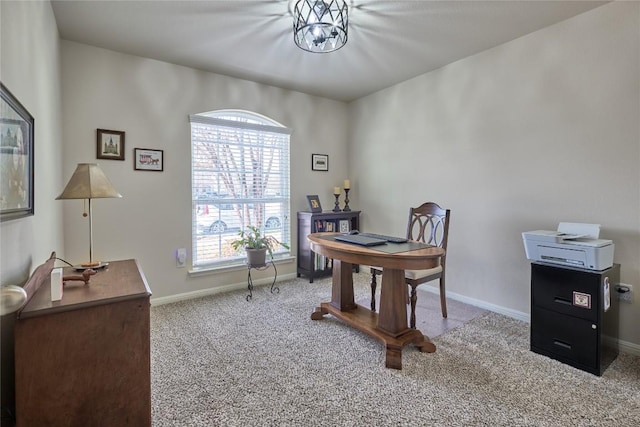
{"points": [[320, 26]]}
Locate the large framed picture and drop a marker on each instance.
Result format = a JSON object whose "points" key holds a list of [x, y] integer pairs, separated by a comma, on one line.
{"points": [[148, 160], [110, 144], [16, 158], [320, 162]]}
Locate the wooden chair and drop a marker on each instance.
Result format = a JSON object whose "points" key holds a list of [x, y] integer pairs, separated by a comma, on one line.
{"points": [[428, 223]]}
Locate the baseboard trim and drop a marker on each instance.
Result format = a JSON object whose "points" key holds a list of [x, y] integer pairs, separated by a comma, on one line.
{"points": [[515, 314], [218, 290], [623, 346]]}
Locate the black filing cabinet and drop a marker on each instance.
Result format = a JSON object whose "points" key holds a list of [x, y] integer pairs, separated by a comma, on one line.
{"points": [[572, 311]]}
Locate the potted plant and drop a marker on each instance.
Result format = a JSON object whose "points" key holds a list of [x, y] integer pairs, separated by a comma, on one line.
{"points": [[256, 244]]}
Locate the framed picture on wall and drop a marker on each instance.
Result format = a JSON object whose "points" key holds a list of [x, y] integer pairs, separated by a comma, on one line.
{"points": [[320, 162], [110, 144], [16, 158], [148, 160]]}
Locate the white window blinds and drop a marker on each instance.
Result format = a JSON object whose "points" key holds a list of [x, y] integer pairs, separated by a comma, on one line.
{"points": [[240, 177]]}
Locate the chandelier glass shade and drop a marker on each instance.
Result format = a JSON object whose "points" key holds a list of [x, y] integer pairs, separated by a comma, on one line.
{"points": [[320, 25]]}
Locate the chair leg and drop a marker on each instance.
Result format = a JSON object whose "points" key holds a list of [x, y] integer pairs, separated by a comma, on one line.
{"points": [[414, 298], [373, 291], [443, 298]]}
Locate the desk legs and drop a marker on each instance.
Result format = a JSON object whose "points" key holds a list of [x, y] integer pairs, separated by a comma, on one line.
{"points": [[342, 287], [341, 290], [393, 303], [389, 325]]}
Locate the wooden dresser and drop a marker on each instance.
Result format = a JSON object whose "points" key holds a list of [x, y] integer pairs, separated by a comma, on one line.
{"points": [[85, 360]]}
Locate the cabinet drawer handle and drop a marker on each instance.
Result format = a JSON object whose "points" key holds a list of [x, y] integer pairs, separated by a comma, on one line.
{"points": [[562, 301], [562, 344]]}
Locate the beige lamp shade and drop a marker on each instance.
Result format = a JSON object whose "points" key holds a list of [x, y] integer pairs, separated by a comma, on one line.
{"points": [[88, 182]]}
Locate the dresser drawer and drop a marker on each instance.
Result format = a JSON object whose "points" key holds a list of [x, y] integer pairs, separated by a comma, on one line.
{"points": [[564, 336], [567, 291]]}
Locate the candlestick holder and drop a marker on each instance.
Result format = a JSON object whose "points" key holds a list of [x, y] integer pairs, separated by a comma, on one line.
{"points": [[346, 201], [337, 206]]}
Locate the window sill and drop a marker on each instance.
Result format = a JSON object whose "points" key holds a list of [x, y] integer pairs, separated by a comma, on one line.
{"points": [[204, 271]]}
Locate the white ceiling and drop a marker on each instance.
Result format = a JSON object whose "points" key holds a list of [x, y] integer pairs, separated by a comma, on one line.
{"points": [[389, 41]]}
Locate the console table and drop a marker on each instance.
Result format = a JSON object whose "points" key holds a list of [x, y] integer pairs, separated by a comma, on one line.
{"points": [[85, 360], [390, 324]]}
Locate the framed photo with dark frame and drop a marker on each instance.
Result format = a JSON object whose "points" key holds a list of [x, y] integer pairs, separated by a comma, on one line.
{"points": [[145, 159], [110, 144], [320, 162], [314, 203], [16, 158]]}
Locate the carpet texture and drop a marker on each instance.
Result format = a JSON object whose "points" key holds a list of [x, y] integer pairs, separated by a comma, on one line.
{"points": [[223, 361]]}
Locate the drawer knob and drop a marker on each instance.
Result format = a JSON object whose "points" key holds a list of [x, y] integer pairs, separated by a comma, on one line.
{"points": [[593, 326]]}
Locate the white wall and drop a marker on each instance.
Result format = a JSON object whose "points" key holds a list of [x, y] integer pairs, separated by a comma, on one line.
{"points": [[30, 69], [151, 101], [539, 130]]}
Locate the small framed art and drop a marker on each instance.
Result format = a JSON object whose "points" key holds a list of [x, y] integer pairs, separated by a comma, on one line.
{"points": [[345, 226], [145, 159], [320, 162], [314, 203], [16, 158], [110, 144]]}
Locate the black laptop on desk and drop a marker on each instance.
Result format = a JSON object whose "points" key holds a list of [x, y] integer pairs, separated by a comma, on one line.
{"points": [[357, 239]]}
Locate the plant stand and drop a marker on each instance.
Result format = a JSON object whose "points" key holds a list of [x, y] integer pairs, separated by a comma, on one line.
{"points": [[261, 267]]}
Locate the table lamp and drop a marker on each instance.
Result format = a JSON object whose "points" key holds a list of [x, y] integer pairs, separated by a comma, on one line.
{"points": [[89, 182]]}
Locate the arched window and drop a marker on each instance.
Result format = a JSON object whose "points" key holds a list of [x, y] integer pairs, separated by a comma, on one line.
{"points": [[239, 177]]}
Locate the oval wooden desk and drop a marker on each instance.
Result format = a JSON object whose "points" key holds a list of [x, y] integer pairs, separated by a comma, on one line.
{"points": [[390, 324]]}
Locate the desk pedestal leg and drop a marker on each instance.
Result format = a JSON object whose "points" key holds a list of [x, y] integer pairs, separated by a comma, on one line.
{"points": [[318, 313], [341, 290], [393, 303], [392, 319], [389, 325], [342, 287]]}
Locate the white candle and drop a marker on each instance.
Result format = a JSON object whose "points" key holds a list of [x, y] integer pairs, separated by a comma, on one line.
{"points": [[347, 184], [336, 190]]}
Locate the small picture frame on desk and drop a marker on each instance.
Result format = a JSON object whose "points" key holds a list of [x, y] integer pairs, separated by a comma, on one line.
{"points": [[345, 225], [314, 203]]}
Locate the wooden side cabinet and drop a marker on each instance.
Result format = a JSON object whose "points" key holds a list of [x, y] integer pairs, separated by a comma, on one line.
{"points": [[85, 360], [572, 310], [309, 264]]}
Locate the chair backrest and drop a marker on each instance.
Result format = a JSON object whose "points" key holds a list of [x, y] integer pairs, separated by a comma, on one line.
{"points": [[429, 223]]}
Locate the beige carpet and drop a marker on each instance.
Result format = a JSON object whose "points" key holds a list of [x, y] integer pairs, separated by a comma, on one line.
{"points": [[223, 361]]}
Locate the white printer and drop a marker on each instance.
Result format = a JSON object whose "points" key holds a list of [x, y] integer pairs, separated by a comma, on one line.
{"points": [[574, 245]]}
